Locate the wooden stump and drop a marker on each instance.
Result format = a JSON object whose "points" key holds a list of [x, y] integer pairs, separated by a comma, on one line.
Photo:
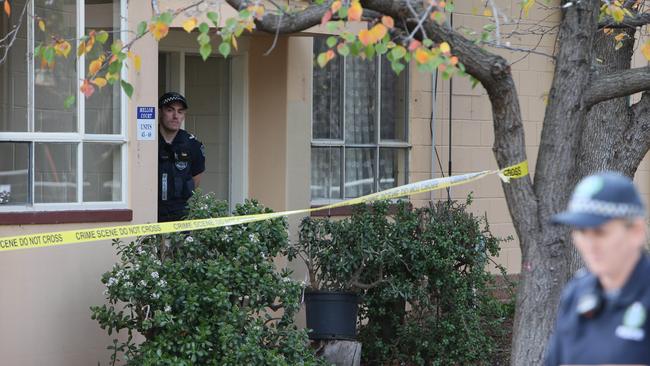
{"points": [[339, 353]]}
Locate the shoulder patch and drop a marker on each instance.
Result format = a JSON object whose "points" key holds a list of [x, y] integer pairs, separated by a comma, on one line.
{"points": [[192, 137]]}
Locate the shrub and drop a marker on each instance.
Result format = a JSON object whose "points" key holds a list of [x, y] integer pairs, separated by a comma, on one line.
{"points": [[432, 303], [208, 297]]}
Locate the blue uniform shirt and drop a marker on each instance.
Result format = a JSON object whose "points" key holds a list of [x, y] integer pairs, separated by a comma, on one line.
{"points": [[178, 162], [597, 328]]}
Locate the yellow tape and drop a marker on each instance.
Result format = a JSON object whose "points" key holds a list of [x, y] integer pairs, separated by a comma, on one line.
{"points": [[115, 232]]}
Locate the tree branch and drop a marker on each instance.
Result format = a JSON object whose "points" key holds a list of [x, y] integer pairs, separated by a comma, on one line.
{"points": [[617, 84], [638, 20]]}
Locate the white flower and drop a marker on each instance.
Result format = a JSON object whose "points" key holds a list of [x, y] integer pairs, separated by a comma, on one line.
{"points": [[128, 284], [154, 275], [126, 276], [162, 283], [143, 283], [119, 273], [137, 267], [158, 262], [189, 239], [168, 308], [253, 238], [155, 296], [286, 279], [139, 250], [105, 292], [112, 281]]}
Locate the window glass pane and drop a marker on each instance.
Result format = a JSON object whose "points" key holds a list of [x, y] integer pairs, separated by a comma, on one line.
{"points": [[327, 96], [102, 172], [103, 108], [360, 100], [13, 74], [14, 177], [326, 172], [54, 83], [392, 167], [55, 173], [359, 171], [393, 103]]}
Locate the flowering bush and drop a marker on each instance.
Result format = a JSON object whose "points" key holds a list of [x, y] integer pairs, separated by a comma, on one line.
{"points": [[208, 297]]}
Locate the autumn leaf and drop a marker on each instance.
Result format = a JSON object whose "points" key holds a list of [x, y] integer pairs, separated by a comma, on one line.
{"points": [[95, 66], [366, 37], [526, 5], [100, 82], [159, 30], [62, 48], [87, 89], [378, 31], [422, 56], [445, 48], [619, 37], [137, 62], [388, 22], [190, 24], [355, 11], [336, 5], [90, 43], [645, 49], [7, 8], [414, 45], [41, 25], [326, 17], [234, 43], [617, 13], [453, 60], [487, 13]]}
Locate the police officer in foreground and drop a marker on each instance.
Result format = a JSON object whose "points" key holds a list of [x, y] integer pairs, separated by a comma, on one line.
{"points": [[181, 159], [602, 318]]}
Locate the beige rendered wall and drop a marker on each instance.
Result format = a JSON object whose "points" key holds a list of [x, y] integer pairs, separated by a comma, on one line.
{"points": [[45, 294]]}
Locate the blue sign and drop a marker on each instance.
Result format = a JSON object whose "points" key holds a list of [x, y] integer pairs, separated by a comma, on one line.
{"points": [[146, 112]]}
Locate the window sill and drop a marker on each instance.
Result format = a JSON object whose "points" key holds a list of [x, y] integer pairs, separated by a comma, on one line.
{"points": [[65, 217]]}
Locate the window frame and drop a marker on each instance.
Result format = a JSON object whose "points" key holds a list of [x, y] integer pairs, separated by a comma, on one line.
{"points": [[341, 144], [79, 138]]}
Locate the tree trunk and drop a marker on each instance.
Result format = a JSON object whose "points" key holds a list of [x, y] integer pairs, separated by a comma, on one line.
{"points": [[546, 254]]}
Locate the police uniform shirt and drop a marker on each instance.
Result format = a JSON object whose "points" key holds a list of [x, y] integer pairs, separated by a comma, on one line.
{"points": [[178, 162], [595, 328]]}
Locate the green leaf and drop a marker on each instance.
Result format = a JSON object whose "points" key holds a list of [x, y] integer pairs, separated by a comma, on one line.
{"points": [[224, 49], [116, 47], [331, 41], [449, 7], [48, 54], [102, 37], [204, 27], [115, 67], [142, 27], [427, 43], [69, 101], [203, 38], [397, 53], [397, 67], [214, 17], [205, 50], [321, 59], [381, 48], [128, 88], [343, 50], [166, 17]]}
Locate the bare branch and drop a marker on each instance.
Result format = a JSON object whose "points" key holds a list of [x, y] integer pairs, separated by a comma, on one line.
{"points": [[617, 84], [10, 37]]}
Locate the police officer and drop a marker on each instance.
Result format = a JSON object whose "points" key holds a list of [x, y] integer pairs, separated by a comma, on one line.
{"points": [[602, 318], [181, 159]]}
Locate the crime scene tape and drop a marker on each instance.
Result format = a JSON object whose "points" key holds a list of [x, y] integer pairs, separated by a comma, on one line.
{"points": [[107, 233]]}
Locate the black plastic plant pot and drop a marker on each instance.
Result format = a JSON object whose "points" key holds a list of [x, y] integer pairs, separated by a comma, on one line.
{"points": [[332, 315]]}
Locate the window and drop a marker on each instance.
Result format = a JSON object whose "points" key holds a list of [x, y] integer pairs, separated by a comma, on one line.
{"points": [[359, 127], [55, 157]]}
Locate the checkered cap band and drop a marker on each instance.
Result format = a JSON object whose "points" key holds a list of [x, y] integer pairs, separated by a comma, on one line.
{"points": [[171, 99], [603, 208]]}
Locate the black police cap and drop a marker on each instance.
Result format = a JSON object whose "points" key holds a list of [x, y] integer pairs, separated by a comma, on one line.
{"points": [[171, 97]]}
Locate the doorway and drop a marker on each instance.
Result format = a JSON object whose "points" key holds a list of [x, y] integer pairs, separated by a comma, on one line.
{"points": [[208, 88]]}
